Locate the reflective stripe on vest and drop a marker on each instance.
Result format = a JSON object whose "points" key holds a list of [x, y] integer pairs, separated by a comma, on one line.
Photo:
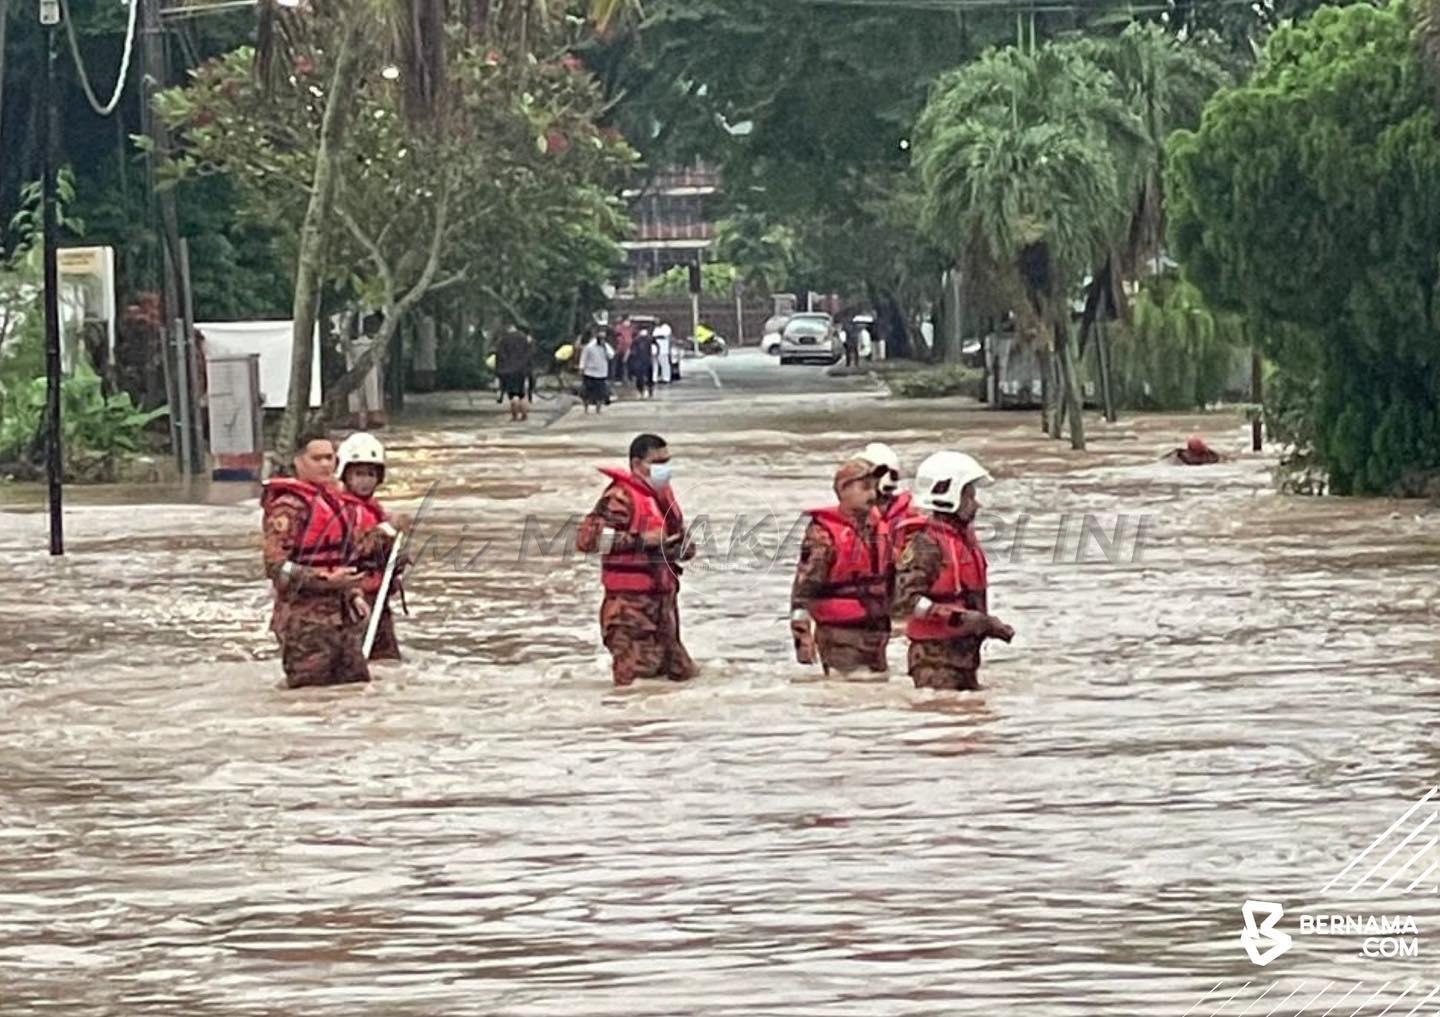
{"points": [[325, 541], [640, 571], [857, 589], [962, 580]]}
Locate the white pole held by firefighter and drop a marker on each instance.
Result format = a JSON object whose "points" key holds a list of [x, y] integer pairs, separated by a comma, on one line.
{"points": [[383, 595]]}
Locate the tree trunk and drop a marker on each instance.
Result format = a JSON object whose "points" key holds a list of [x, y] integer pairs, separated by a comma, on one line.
{"points": [[1074, 406], [426, 344], [309, 272], [377, 354], [891, 321], [1048, 402], [953, 323], [1107, 386]]}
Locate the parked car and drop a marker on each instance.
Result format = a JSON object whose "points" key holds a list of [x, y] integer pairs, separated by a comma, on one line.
{"points": [[810, 336], [770, 334]]}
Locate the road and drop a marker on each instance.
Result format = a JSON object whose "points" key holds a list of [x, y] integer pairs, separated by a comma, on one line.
{"points": [[1215, 693]]}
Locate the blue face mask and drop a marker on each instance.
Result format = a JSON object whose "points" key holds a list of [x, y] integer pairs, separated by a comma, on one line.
{"points": [[659, 475]]}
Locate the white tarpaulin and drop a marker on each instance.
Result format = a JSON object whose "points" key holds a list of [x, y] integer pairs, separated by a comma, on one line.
{"points": [[270, 339]]}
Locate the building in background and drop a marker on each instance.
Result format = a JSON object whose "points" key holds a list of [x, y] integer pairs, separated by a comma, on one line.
{"points": [[672, 225]]}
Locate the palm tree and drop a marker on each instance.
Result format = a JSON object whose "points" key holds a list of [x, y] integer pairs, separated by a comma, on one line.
{"points": [[1165, 83], [1017, 157]]}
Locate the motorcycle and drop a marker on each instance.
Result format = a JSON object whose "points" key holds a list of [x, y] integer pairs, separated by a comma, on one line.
{"points": [[709, 343]]}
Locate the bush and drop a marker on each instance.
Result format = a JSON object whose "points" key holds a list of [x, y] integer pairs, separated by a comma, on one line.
{"points": [[100, 432], [935, 382], [460, 365], [1177, 354]]}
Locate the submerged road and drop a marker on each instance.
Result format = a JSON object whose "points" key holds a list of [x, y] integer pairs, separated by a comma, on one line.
{"points": [[1216, 693]]}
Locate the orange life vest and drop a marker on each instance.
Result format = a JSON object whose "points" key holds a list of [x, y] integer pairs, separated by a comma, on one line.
{"points": [[900, 517], [326, 540], [856, 593], [363, 515], [642, 571], [962, 579]]}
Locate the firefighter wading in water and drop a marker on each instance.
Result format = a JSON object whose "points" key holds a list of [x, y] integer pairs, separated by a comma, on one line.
{"points": [[896, 506], [640, 570], [361, 469], [842, 584], [320, 608], [941, 577]]}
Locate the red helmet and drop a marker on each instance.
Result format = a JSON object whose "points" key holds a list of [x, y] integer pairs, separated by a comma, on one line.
{"points": [[1197, 445]]}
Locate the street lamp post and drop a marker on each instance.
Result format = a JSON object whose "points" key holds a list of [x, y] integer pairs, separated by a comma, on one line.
{"points": [[54, 458]]}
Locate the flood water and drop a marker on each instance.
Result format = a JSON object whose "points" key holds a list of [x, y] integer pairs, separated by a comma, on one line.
{"points": [[1232, 704]]}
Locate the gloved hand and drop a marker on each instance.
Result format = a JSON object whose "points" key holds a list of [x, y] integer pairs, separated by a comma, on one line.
{"points": [[964, 621], [999, 630]]}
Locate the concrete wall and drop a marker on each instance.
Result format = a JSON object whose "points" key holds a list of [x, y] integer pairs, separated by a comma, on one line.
{"points": [[714, 313]]}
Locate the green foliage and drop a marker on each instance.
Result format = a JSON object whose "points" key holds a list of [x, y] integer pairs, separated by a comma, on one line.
{"points": [[514, 184], [1024, 161], [460, 365], [764, 253], [95, 426], [807, 110], [1177, 353], [717, 279], [1309, 199], [932, 383]]}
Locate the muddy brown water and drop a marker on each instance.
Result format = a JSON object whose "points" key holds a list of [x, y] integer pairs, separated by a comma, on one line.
{"points": [[1234, 710]]}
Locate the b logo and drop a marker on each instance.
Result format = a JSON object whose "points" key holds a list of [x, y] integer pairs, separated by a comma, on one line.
{"points": [[1258, 932]]}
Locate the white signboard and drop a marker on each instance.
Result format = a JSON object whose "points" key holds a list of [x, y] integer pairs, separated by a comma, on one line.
{"points": [[87, 299], [271, 340], [234, 405]]}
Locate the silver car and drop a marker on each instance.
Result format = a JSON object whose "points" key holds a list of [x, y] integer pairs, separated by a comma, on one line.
{"points": [[810, 336]]}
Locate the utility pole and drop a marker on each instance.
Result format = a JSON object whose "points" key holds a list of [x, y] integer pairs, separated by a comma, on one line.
{"points": [[156, 75], [54, 455], [1257, 396]]}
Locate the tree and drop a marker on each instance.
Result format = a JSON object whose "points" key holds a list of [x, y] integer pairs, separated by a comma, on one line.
{"points": [[1309, 201], [1165, 83], [764, 253], [413, 43], [1017, 154], [500, 180], [807, 110]]}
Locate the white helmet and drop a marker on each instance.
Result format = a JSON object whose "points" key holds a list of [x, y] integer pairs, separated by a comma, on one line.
{"points": [[943, 476], [880, 454], [360, 447]]}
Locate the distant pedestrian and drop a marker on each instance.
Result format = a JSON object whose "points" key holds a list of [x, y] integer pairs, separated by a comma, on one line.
{"points": [[852, 346], [642, 363], [594, 373], [513, 365], [624, 337], [664, 340]]}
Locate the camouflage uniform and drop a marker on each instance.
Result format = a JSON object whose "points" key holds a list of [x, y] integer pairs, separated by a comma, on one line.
{"points": [[320, 639], [842, 647], [641, 630], [934, 663]]}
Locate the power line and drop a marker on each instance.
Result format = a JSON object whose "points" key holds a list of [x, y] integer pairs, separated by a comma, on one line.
{"points": [[187, 10], [107, 108], [1011, 6]]}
